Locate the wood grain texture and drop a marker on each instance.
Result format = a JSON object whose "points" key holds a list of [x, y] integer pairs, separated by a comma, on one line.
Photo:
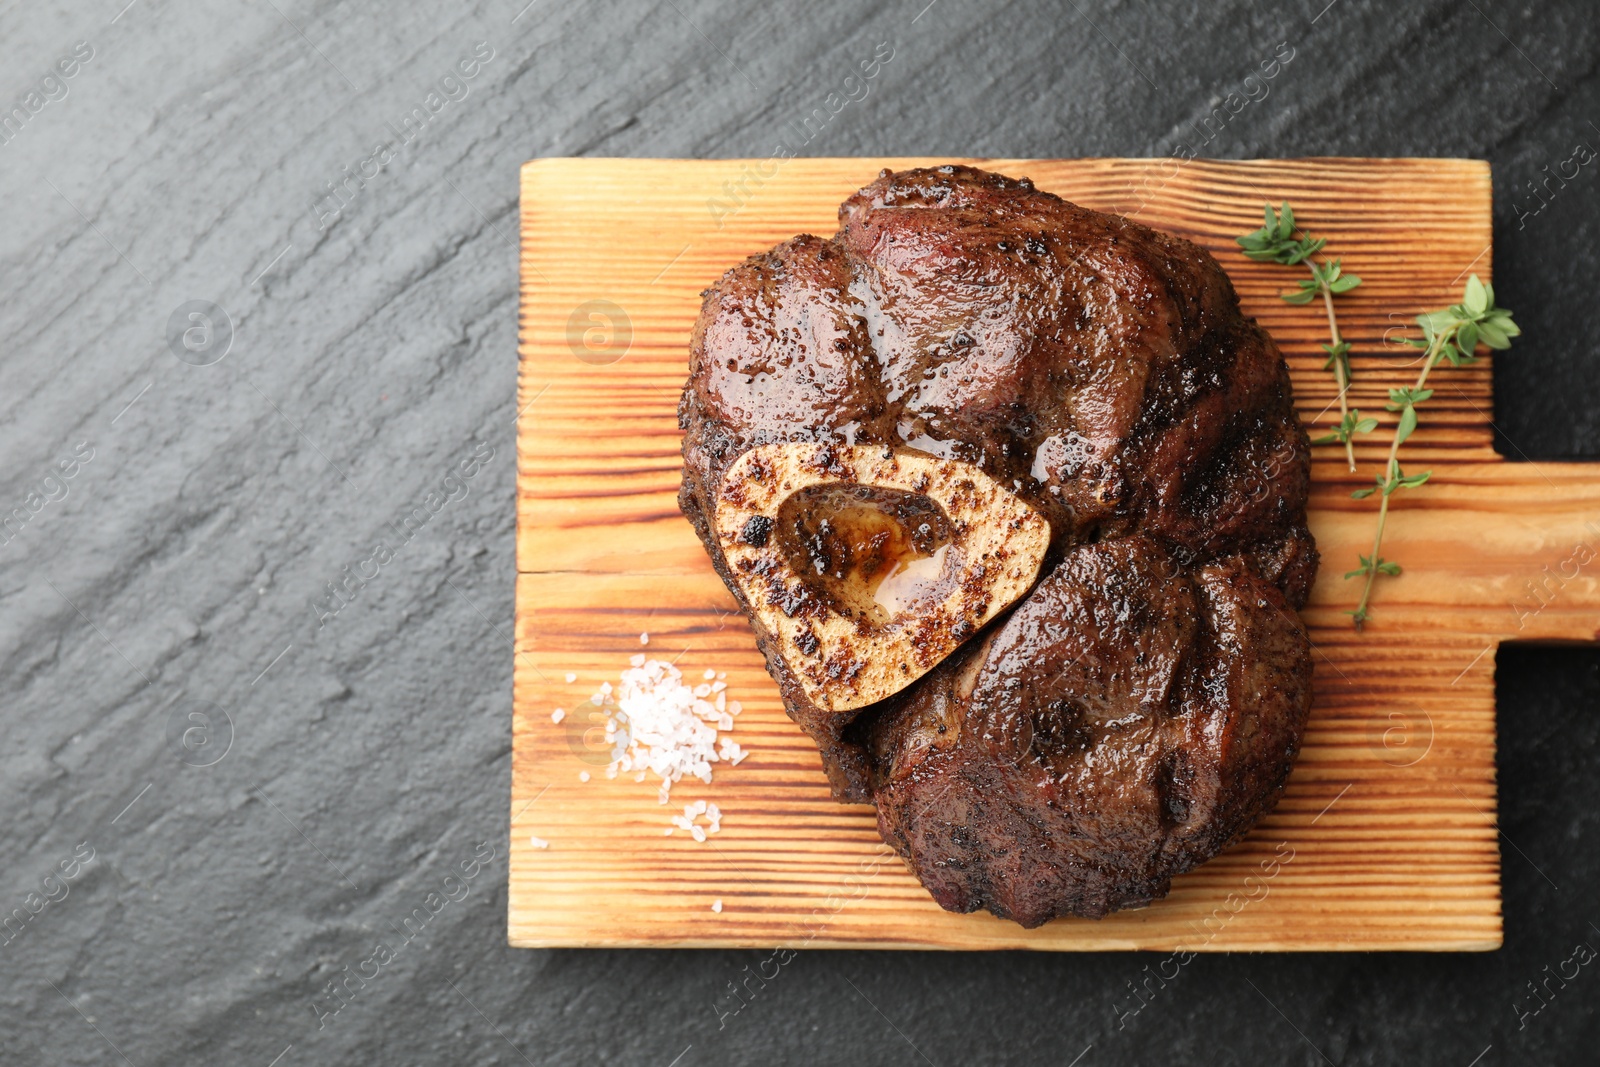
{"points": [[1386, 837]]}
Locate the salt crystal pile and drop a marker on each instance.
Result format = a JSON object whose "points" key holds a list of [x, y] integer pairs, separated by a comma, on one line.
{"points": [[657, 723]]}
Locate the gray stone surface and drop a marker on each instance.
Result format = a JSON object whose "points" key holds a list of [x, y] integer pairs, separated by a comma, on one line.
{"points": [[167, 586]]}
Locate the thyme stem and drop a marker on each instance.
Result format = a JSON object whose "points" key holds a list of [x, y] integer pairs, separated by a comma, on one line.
{"points": [[1339, 374], [1275, 242], [1391, 469]]}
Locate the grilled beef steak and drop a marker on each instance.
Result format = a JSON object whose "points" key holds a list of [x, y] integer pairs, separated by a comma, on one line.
{"points": [[1141, 705]]}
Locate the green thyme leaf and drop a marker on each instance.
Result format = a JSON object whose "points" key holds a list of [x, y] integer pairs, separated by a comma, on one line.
{"points": [[1408, 424], [1492, 335], [1477, 296], [1401, 397]]}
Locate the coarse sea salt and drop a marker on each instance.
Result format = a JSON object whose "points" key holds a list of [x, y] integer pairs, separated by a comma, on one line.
{"points": [[538, 842], [660, 724]]}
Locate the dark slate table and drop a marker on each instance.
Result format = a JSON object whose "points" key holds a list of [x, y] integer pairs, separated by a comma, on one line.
{"points": [[219, 794]]}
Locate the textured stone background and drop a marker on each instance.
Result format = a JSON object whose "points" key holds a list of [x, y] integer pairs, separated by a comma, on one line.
{"points": [[366, 759]]}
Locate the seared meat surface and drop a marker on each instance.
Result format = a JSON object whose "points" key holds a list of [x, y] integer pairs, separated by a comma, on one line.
{"points": [[1126, 722], [1143, 704]]}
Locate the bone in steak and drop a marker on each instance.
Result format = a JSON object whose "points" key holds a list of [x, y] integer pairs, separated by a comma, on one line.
{"points": [[1142, 704]]}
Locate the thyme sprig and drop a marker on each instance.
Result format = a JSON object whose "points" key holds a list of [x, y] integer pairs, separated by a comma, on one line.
{"points": [[1452, 334], [1276, 242]]}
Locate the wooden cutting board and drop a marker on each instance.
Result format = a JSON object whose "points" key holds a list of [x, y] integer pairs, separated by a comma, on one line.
{"points": [[1386, 837]]}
